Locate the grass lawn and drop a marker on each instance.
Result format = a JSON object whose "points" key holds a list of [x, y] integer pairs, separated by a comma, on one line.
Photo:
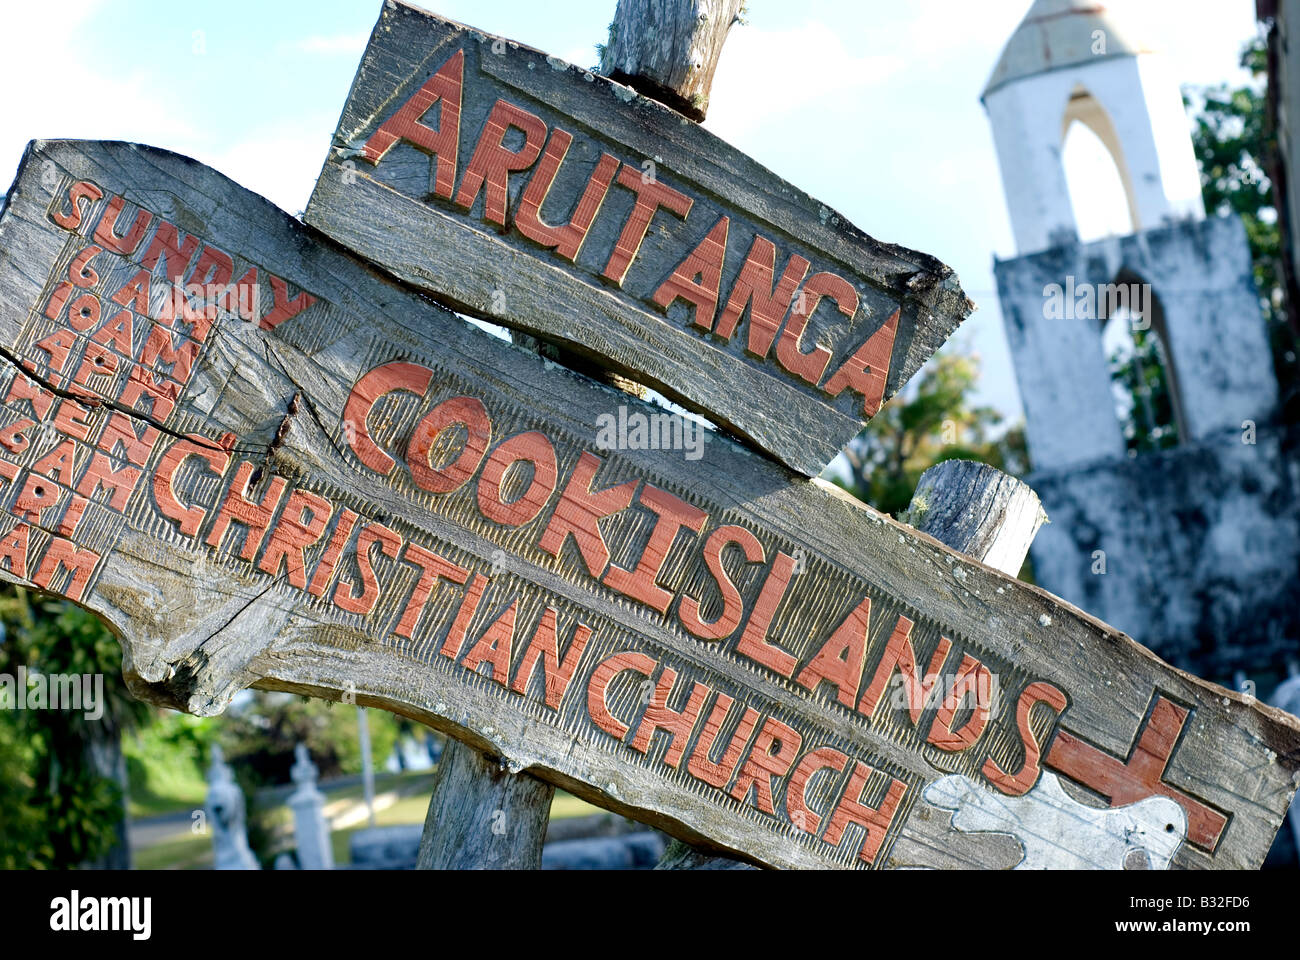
{"points": [[186, 850]]}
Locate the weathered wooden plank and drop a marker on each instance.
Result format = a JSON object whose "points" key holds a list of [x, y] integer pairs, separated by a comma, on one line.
{"points": [[977, 510], [292, 543], [668, 50], [517, 188], [483, 817]]}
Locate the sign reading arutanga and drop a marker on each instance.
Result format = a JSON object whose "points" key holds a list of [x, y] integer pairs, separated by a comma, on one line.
{"points": [[266, 464], [521, 189]]}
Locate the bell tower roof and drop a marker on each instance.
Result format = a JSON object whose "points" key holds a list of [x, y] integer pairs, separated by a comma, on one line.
{"points": [[1061, 33]]}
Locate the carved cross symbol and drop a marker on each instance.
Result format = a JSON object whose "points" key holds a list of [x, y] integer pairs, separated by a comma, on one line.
{"points": [[1141, 775]]}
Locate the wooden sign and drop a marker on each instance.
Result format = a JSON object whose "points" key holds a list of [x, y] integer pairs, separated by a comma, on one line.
{"points": [[264, 463], [520, 189]]}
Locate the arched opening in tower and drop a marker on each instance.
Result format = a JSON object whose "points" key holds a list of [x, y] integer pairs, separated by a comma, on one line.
{"points": [[1096, 173], [1144, 384]]}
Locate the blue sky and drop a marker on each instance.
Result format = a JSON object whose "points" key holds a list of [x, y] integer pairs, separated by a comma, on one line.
{"points": [[255, 88]]}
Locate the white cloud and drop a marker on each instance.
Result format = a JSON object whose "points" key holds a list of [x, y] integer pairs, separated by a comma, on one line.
{"points": [[54, 93], [769, 75]]}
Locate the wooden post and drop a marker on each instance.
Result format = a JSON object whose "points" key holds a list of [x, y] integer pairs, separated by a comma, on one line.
{"points": [[668, 49], [971, 507], [482, 817], [977, 510]]}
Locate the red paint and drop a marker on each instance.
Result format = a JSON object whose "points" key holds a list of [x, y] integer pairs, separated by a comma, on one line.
{"points": [[255, 516], [58, 300], [282, 308], [214, 267], [106, 234], [160, 350], [79, 191], [533, 448], [678, 723], [345, 594], [899, 655], [13, 550], [1142, 775], [753, 642], [1022, 781], [733, 607], [324, 572], [495, 646], [63, 555], [699, 765], [57, 464], [378, 382], [875, 820], [84, 312], [443, 88], [698, 277], [579, 511], [867, 370], [567, 239], [24, 388], [100, 474], [771, 757], [651, 195], [168, 247], [120, 429], [790, 354], [432, 569], [972, 683], [544, 648], [842, 657], [490, 167], [469, 413], [767, 302], [301, 524], [464, 614], [598, 689], [641, 583], [80, 272], [37, 495], [796, 792]]}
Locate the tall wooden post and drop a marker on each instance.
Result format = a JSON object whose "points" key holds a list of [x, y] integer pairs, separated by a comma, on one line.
{"points": [[667, 50]]}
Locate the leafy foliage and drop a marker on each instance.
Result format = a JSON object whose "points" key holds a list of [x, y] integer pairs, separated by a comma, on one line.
{"points": [[1235, 147], [926, 424], [58, 809]]}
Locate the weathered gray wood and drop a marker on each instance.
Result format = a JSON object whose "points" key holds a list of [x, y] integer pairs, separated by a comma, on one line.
{"points": [[971, 507], [391, 201], [483, 817], [977, 510], [203, 613], [668, 50]]}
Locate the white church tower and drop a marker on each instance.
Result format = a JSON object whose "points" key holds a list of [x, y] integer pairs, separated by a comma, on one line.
{"points": [[1173, 492], [1069, 61]]}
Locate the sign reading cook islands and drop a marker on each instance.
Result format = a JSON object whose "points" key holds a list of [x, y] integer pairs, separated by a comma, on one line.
{"points": [[263, 463], [520, 189]]}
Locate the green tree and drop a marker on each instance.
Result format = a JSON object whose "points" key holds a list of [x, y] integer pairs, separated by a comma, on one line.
{"points": [[931, 421], [65, 804], [1235, 147]]}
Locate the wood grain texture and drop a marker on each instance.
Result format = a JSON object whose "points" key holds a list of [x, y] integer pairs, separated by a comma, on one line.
{"points": [[483, 817], [977, 510], [668, 50], [519, 189], [710, 656]]}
